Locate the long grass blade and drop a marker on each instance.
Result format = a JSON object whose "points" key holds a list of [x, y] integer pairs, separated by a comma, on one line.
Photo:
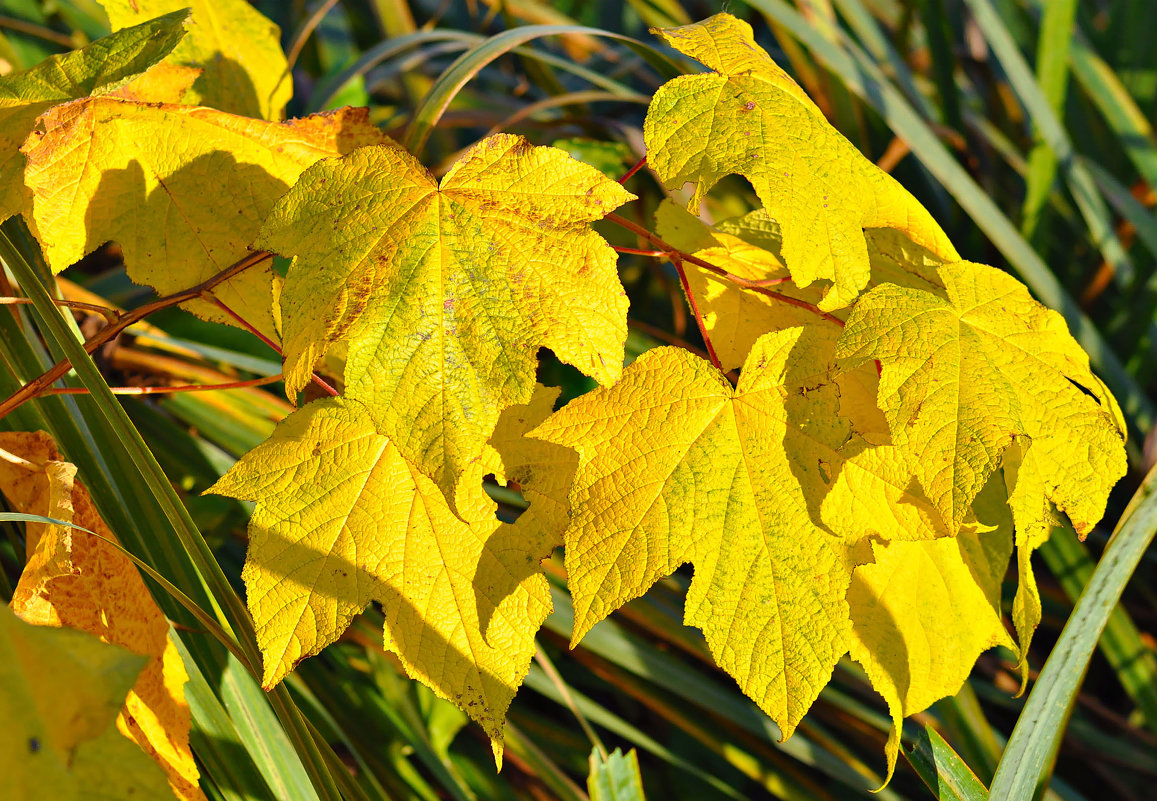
{"points": [[1041, 724]]}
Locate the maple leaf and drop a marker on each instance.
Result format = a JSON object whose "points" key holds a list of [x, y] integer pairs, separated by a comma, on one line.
{"points": [[444, 293], [922, 612], [76, 580], [968, 371], [749, 118], [676, 466], [60, 690], [239, 50], [342, 520], [182, 189], [101, 67]]}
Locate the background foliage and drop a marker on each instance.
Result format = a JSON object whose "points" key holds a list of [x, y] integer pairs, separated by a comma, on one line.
{"points": [[1023, 126]]}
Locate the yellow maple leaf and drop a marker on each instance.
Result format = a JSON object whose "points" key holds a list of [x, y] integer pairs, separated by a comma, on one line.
{"points": [[59, 694], [676, 466], [101, 67], [75, 580], [183, 190], [446, 292], [922, 612], [968, 371], [238, 48], [748, 117], [342, 520]]}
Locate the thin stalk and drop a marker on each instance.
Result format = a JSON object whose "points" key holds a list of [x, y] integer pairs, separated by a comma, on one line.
{"points": [[548, 668], [252, 382], [37, 385], [699, 321], [112, 315], [638, 166], [251, 329], [761, 286], [305, 32]]}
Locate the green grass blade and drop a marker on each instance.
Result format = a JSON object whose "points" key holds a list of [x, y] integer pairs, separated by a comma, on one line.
{"points": [[458, 74], [324, 94], [537, 681], [1052, 132], [1052, 65], [21, 517], [882, 50], [1117, 106], [263, 736], [215, 741], [964, 722], [1121, 644], [1041, 724], [212, 581], [942, 770]]}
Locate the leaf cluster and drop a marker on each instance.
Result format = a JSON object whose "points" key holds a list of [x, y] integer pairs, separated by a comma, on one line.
{"points": [[902, 420]]}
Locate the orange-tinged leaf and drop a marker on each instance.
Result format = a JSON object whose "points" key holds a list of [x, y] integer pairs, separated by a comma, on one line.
{"points": [[342, 520], [75, 580], [445, 292], [968, 371], [676, 466], [183, 190], [59, 694], [748, 117], [924, 611], [101, 67], [238, 48]]}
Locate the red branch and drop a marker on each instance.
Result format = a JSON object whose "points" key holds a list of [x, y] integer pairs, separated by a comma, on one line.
{"points": [[638, 166], [699, 321], [761, 286], [321, 382]]}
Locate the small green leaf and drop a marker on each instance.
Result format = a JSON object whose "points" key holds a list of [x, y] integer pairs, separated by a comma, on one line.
{"points": [[615, 777]]}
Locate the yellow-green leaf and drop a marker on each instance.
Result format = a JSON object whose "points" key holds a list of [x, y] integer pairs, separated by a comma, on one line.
{"points": [[162, 83], [1025, 482], [968, 371], [446, 292], [101, 67], [60, 690], [677, 466], [342, 520], [76, 580], [239, 49], [747, 117], [183, 189], [924, 611]]}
